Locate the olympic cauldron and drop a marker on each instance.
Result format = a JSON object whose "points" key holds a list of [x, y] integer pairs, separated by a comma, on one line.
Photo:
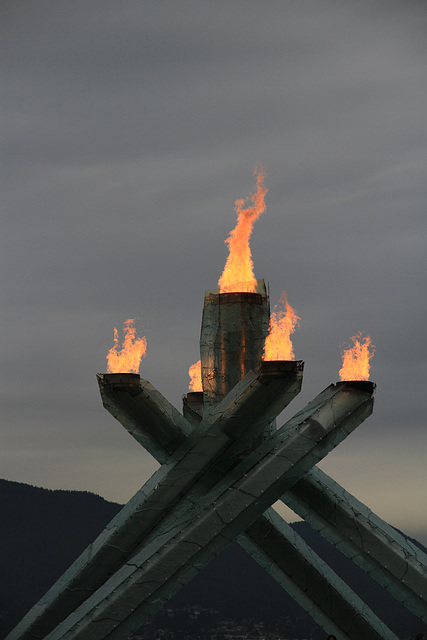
{"points": [[224, 463]]}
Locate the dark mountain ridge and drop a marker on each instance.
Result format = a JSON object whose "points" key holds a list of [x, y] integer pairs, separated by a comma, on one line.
{"points": [[43, 531]]}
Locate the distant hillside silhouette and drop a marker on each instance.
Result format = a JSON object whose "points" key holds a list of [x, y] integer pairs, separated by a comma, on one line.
{"points": [[43, 531]]}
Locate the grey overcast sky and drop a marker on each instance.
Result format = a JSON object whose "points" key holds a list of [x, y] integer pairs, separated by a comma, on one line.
{"points": [[129, 129]]}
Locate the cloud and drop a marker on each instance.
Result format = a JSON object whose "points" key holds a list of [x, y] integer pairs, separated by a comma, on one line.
{"points": [[127, 137]]}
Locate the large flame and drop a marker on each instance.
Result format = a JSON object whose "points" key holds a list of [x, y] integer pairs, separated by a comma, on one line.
{"points": [[278, 344], [128, 359], [238, 274], [356, 359], [195, 373]]}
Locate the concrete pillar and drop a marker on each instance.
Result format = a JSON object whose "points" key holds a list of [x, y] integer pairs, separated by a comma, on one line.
{"points": [[234, 327]]}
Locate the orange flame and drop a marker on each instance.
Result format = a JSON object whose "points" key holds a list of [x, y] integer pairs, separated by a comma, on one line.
{"points": [[195, 373], [238, 274], [355, 359], [278, 345], [128, 360]]}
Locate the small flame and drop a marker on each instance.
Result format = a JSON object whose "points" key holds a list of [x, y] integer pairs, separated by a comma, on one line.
{"points": [[238, 274], [128, 360], [278, 345], [195, 373], [355, 359]]}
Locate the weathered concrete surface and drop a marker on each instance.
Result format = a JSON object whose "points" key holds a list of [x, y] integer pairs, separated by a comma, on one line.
{"points": [[183, 543], [393, 561], [203, 496], [192, 407], [144, 412], [258, 395], [310, 581], [304, 598], [386, 555], [234, 328]]}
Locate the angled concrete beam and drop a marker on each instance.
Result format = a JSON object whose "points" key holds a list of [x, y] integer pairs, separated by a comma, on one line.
{"points": [[310, 581], [161, 429], [195, 406], [387, 556], [396, 564], [265, 392], [286, 538], [258, 395], [144, 412], [193, 409], [392, 560], [184, 542]]}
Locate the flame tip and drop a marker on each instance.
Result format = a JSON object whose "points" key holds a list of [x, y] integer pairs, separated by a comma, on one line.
{"points": [[128, 359], [356, 358], [239, 266], [278, 344], [195, 373]]}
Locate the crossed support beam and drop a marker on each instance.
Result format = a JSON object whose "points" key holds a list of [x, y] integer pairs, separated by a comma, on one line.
{"points": [[351, 527], [223, 466]]}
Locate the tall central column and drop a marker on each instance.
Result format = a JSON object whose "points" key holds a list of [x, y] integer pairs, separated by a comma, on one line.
{"points": [[234, 328]]}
